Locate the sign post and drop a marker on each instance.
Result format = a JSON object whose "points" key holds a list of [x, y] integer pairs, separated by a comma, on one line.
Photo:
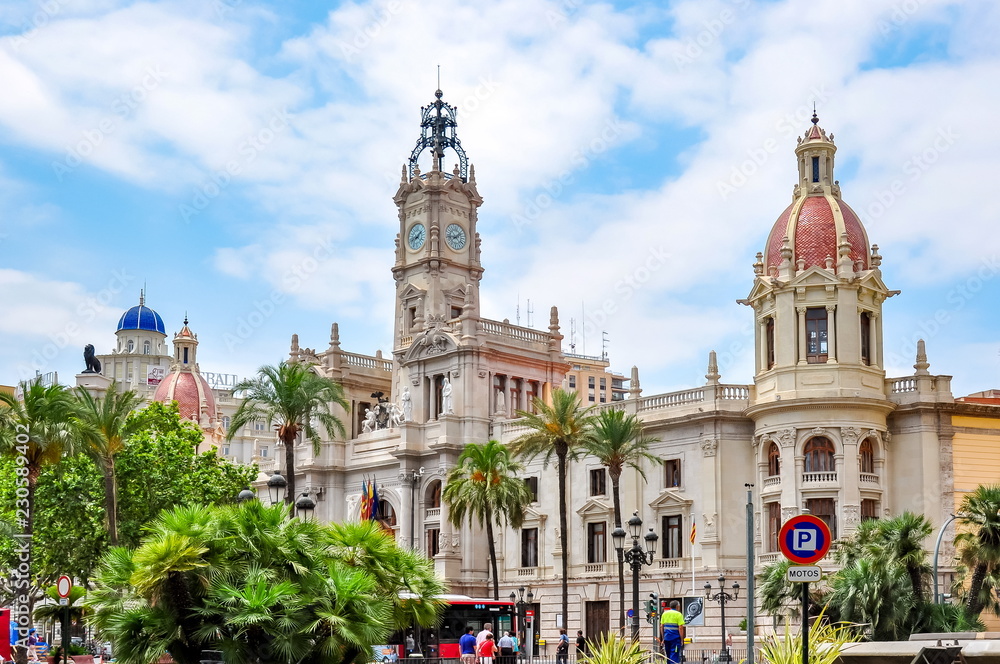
{"points": [[804, 540], [63, 586]]}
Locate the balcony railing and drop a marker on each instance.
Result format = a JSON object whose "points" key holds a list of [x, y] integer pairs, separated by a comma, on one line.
{"points": [[772, 481], [768, 558], [812, 478], [593, 568], [869, 478], [669, 563], [527, 572], [433, 513]]}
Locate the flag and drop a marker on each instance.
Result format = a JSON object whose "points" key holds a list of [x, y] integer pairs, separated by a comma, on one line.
{"points": [[365, 502], [694, 531], [374, 500]]}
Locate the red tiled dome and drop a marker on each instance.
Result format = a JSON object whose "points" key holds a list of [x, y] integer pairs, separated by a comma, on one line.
{"points": [[187, 389], [813, 225]]}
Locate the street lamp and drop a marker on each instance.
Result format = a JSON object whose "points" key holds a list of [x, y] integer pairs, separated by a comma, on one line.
{"points": [[276, 487], [723, 598], [245, 495], [520, 617], [635, 557], [304, 506]]}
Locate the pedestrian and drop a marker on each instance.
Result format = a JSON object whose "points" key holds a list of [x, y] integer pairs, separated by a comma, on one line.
{"points": [[562, 648], [487, 650], [32, 645], [672, 625], [581, 644], [506, 645], [467, 646], [487, 629], [411, 644], [517, 645]]}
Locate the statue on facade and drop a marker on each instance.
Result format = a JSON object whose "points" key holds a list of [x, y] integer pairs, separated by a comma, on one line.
{"points": [[395, 415], [501, 404], [90, 358], [381, 411], [407, 401], [446, 403], [369, 424]]}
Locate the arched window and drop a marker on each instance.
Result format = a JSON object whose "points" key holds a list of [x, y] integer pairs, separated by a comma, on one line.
{"points": [[386, 515], [434, 494], [819, 455], [867, 457], [225, 422], [131, 345], [145, 347], [773, 460]]}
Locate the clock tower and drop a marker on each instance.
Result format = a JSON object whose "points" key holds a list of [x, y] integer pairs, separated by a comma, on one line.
{"points": [[437, 268]]}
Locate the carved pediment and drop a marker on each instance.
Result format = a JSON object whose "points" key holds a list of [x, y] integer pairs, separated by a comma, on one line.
{"points": [[411, 291], [595, 506], [873, 280], [533, 516], [761, 288], [671, 499], [435, 341], [814, 276]]}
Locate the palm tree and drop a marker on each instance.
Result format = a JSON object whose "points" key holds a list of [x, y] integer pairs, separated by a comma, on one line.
{"points": [[104, 424], [618, 442], [559, 429], [484, 486], [902, 541], [291, 396], [36, 428], [979, 547], [874, 593]]}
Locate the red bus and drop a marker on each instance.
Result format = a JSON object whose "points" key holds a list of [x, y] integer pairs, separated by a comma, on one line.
{"points": [[461, 612]]}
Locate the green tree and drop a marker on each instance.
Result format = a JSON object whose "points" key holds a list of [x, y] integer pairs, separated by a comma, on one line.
{"points": [[619, 442], [979, 544], [902, 541], [104, 423], [875, 593], [38, 430], [290, 396], [484, 487], [558, 430], [261, 587]]}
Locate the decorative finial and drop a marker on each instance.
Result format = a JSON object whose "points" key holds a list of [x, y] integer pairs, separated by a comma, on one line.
{"points": [[922, 364], [634, 390], [713, 374], [185, 318], [142, 296], [438, 123], [335, 335], [815, 118]]}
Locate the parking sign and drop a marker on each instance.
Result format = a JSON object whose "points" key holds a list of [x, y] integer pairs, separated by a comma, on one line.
{"points": [[804, 539]]}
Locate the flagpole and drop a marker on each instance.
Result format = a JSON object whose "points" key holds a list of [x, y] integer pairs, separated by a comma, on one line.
{"points": [[694, 590]]}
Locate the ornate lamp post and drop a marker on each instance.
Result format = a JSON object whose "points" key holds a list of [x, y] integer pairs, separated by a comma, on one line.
{"points": [[723, 598], [636, 557], [276, 487], [304, 506], [246, 494], [519, 613]]}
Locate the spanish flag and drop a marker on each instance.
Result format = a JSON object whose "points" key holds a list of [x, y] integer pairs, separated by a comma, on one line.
{"points": [[694, 531]]}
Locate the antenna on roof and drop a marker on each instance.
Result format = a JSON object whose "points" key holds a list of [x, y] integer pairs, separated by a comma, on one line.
{"points": [[439, 77], [572, 335], [530, 311], [517, 309], [604, 344]]}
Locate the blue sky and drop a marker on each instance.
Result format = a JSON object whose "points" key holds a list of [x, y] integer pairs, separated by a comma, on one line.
{"points": [[602, 134]]}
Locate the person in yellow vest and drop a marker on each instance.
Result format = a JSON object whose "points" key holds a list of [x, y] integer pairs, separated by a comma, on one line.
{"points": [[672, 624]]}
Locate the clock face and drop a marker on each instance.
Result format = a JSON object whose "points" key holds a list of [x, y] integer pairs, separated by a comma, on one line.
{"points": [[416, 236], [455, 236]]}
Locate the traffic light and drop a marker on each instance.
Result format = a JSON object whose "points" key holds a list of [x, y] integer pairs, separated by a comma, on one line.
{"points": [[654, 605]]}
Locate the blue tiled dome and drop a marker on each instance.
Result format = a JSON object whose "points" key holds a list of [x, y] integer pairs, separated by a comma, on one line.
{"points": [[141, 317]]}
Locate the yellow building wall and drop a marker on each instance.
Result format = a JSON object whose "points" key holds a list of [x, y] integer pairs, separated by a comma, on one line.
{"points": [[976, 460]]}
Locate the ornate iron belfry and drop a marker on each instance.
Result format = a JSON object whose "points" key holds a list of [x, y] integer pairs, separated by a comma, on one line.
{"points": [[438, 125]]}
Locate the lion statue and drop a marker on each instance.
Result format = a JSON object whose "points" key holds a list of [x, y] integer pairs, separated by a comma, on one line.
{"points": [[90, 357]]}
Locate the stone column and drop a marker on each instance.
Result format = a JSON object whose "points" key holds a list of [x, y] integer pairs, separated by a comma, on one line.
{"points": [[874, 348], [760, 363], [802, 335], [831, 333]]}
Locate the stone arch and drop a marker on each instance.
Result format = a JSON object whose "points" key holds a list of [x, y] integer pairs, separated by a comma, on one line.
{"points": [[819, 454]]}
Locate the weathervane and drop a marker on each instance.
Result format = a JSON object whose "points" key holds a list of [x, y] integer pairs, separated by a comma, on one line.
{"points": [[438, 124]]}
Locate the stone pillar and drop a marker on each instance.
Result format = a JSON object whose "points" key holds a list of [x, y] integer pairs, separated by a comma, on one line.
{"points": [[802, 335], [874, 347], [760, 362], [831, 333]]}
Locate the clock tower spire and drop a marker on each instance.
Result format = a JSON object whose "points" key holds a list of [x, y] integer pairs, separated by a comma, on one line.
{"points": [[437, 268]]}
